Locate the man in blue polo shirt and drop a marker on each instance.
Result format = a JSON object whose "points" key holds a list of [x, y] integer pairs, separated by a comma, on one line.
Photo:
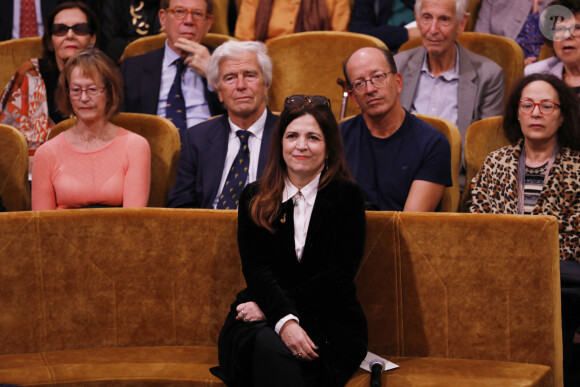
{"points": [[401, 162]]}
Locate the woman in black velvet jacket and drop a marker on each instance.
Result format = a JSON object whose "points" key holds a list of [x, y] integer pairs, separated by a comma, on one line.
{"points": [[301, 234]]}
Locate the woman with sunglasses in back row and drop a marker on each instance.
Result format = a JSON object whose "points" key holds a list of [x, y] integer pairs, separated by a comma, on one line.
{"points": [[27, 102], [539, 174], [301, 235]]}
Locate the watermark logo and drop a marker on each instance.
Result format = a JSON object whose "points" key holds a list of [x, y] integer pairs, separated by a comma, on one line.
{"points": [[557, 23]]}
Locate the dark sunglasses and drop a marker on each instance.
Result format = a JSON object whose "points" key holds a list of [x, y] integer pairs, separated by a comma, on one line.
{"points": [[300, 99], [80, 29]]}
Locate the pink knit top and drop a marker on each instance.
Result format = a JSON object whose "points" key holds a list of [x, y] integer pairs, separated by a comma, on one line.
{"points": [[119, 174]]}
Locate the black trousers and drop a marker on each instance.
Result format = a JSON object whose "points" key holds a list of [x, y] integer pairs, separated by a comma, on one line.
{"points": [[274, 365]]}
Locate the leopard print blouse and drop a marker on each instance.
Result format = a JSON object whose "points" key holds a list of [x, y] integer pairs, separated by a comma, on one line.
{"points": [[494, 190]]}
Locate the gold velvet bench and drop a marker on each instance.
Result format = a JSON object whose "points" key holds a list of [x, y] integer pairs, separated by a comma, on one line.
{"points": [[138, 297]]}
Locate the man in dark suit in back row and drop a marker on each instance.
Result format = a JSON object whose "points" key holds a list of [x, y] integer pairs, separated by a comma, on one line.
{"points": [[220, 156], [171, 81]]}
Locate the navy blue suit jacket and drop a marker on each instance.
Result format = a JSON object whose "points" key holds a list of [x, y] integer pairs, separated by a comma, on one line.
{"points": [[142, 76], [202, 159]]}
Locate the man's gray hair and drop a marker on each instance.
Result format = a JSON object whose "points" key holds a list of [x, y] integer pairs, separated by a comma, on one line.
{"points": [[233, 50], [460, 8]]}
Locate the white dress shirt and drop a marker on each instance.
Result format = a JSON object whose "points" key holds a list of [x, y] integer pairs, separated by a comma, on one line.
{"points": [[254, 143], [192, 87], [16, 19], [303, 205]]}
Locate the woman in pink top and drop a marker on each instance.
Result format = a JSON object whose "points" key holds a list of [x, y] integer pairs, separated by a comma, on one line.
{"points": [[95, 163]]}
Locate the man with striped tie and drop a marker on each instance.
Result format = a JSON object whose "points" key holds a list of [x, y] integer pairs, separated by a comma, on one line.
{"points": [[220, 156]]}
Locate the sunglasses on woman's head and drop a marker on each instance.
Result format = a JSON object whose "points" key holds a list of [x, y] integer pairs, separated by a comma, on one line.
{"points": [[80, 29], [300, 99]]}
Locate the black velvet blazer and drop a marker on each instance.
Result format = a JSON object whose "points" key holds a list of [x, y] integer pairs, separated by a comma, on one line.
{"points": [[319, 289]]}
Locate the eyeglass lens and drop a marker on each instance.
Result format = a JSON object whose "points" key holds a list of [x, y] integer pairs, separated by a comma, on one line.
{"points": [[181, 13], [80, 29], [545, 107]]}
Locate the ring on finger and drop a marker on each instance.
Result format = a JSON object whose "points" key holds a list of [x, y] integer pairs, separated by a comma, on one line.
{"points": [[243, 313], [298, 355]]}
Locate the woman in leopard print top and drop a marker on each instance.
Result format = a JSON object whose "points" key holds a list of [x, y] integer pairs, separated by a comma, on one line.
{"points": [[539, 174]]}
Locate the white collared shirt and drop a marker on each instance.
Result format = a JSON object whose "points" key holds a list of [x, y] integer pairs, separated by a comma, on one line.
{"points": [[305, 198], [303, 204], [254, 143], [16, 18], [192, 87]]}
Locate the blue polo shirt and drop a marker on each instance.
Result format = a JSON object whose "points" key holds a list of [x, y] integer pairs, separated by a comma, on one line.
{"points": [[385, 168]]}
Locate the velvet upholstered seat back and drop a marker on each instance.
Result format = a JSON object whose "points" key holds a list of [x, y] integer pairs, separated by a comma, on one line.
{"points": [[464, 286], [14, 184], [13, 54], [310, 63], [78, 279], [482, 138], [149, 43]]}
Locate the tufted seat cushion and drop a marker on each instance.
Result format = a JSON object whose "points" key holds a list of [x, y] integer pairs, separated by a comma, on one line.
{"points": [[176, 366]]}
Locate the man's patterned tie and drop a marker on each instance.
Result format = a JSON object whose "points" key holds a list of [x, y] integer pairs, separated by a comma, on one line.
{"points": [[237, 176], [28, 24], [175, 110]]}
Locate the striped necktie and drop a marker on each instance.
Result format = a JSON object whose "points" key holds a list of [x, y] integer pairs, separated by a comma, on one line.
{"points": [[237, 176]]}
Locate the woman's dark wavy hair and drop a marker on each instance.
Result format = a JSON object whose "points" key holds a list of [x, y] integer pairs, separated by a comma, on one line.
{"points": [[568, 133], [266, 204], [92, 20]]}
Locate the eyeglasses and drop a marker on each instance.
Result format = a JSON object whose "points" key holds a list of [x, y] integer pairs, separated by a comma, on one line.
{"points": [[562, 32], [304, 99], [546, 107], [92, 91], [181, 13], [80, 29], [377, 80]]}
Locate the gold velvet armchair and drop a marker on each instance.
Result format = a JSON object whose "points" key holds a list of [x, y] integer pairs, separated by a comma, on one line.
{"points": [[164, 141], [311, 62], [137, 297], [503, 51], [473, 10], [14, 185], [482, 138], [450, 200], [150, 43], [546, 52], [220, 17], [13, 53]]}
